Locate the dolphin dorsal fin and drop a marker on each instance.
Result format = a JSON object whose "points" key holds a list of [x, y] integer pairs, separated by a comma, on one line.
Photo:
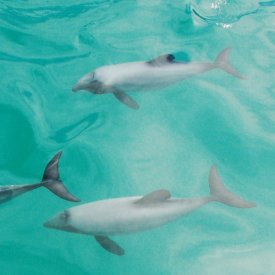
{"points": [[155, 196], [162, 60]]}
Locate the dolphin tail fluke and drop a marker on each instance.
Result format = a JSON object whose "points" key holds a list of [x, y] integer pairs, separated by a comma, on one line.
{"points": [[222, 62], [52, 181], [221, 194]]}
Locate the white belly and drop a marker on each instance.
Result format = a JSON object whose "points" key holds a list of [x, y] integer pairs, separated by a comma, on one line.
{"points": [[123, 215]]}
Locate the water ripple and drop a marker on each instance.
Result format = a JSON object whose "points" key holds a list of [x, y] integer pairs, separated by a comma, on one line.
{"points": [[40, 61], [111, 151], [225, 13], [75, 129]]}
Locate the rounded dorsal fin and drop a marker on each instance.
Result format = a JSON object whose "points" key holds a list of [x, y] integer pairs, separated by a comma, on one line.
{"points": [[155, 197], [162, 60]]}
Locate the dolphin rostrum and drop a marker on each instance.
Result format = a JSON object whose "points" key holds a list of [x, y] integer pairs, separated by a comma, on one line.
{"points": [[132, 214], [50, 180], [157, 73]]}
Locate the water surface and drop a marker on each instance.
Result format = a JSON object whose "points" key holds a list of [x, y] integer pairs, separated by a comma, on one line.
{"points": [[111, 150]]}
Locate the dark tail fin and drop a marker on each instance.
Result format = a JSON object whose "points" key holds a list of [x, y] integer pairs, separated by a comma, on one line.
{"points": [[52, 181]]}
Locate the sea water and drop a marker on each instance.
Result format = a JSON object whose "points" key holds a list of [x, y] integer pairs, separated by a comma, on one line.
{"points": [[110, 150]]}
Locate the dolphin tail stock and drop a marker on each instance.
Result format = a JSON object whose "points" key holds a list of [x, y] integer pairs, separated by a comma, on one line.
{"points": [[222, 62], [52, 181], [221, 194]]}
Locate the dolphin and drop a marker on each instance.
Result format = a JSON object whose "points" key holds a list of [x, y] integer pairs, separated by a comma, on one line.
{"points": [[50, 180], [157, 73], [132, 214]]}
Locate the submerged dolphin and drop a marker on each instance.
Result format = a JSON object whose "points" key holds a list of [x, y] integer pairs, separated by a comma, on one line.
{"points": [[158, 73], [50, 180], [132, 214]]}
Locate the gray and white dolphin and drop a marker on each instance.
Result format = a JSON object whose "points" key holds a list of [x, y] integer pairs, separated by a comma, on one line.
{"points": [[158, 73], [132, 214], [50, 180]]}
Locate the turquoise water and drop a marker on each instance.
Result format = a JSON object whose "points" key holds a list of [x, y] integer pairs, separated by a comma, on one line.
{"points": [[110, 150]]}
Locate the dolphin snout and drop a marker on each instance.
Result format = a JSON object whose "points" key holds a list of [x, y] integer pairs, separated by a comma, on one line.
{"points": [[75, 88], [48, 224], [55, 222]]}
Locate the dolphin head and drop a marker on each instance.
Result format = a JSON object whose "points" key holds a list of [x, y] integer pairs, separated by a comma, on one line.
{"points": [[89, 83], [61, 222]]}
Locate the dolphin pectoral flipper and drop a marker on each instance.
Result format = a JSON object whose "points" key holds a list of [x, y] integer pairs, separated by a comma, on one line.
{"points": [[110, 245], [125, 99], [155, 196]]}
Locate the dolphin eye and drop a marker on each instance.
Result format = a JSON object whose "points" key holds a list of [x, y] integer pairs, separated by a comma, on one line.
{"points": [[64, 216]]}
